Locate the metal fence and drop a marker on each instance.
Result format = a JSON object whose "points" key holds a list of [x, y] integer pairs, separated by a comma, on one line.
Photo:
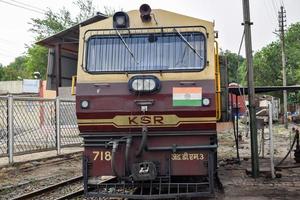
{"points": [[3, 126], [33, 124]]}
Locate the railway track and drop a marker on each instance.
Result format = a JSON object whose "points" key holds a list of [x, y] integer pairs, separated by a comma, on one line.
{"points": [[50, 190]]}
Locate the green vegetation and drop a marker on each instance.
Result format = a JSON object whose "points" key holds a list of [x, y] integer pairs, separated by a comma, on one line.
{"points": [[267, 61], [268, 67], [35, 58], [233, 62]]}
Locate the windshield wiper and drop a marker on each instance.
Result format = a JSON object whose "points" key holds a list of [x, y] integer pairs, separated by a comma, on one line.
{"points": [[127, 47], [189, 45]]}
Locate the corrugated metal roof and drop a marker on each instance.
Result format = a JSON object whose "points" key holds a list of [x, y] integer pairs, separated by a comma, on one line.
{"points": [[71, 34], [262, 89]]}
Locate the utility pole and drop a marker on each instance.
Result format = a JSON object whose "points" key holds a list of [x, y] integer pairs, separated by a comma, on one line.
{"points": [[282, 20], [251, 92]]}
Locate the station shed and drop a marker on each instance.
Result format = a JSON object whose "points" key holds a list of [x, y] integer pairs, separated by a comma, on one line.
{"points": [[236, 92], [63, 56]]}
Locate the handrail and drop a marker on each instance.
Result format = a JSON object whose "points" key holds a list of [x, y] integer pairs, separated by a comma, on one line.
{"points": [[217, 82], [74, 80]]}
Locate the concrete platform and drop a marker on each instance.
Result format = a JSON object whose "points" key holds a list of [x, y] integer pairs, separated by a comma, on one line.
{"points": [[39, 155]]}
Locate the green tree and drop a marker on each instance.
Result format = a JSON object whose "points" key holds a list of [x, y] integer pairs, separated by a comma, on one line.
{"points": [[36, 60], [267, 61], [293, 53], [87, 10], [267, 65], [50, 24], [234, 61], [110, 11], [14, 70], [1, 71]]}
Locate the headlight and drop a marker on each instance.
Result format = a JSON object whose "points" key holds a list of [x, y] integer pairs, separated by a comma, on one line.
{"points": [[120, 20], [84, 104], [144, 84], [205, 102]]}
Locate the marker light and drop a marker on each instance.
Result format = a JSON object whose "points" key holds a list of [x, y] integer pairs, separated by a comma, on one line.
{"points": [[205, 102], [144, 84], [84, 104]]}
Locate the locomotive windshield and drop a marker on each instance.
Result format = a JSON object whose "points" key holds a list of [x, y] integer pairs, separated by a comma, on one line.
{"points": [[146, 52]]}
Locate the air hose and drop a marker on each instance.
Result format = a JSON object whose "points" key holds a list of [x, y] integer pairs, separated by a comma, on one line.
{"points": [[128, 144], [113, 158], [296, 138], [143, 144]]}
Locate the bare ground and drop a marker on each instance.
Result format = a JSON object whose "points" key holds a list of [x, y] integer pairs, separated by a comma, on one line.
{"points": [[236, 178]]}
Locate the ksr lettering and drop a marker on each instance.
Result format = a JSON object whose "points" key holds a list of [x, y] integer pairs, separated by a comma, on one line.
{"points": [[145, 120]]}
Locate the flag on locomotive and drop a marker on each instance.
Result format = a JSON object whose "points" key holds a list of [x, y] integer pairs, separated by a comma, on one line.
{"points": [[147, 105]]}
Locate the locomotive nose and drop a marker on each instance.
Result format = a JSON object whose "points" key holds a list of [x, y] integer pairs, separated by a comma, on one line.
{"points": [[143, 85]]}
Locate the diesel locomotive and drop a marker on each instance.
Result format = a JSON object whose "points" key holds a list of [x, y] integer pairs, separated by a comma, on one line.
{"points": [[147, 103]]}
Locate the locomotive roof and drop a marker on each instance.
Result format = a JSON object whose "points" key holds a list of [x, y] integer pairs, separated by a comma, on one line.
{"points": [[71, 34]]}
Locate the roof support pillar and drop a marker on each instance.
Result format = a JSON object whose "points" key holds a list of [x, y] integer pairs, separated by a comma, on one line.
{"points": [[58, 66]]}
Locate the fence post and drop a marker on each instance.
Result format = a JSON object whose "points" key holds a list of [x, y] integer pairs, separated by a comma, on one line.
{"points": [[270, 106], [10, 129], [57, 114]]}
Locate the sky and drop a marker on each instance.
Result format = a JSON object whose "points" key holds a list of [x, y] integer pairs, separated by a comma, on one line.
{"points": [[227, 14]]}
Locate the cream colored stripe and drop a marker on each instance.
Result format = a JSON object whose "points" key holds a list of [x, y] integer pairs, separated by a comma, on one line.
{"points": [[197, 119], [130, 126]]}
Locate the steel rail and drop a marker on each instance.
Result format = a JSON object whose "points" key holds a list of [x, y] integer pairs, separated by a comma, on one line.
{"points": [[48, 189], [72, 195]]}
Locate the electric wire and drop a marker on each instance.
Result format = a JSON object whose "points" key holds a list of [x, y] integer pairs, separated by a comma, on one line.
{"points": [[276, 4], [20, 6], [239, 54], [28, 5], [272, 17], [274, 7]]}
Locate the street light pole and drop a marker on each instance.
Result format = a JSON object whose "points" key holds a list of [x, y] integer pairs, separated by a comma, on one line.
{"points": [[251, 92]]}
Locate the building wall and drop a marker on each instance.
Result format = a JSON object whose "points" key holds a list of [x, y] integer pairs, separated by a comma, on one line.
{"points": [[12, 87], [16, 88]]}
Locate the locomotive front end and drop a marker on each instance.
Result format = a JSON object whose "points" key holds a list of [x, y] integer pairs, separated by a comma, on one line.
{"points": [[146, 105]]}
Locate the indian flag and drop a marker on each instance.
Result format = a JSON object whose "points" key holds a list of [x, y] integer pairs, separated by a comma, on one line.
{"points": [[187, 96]]}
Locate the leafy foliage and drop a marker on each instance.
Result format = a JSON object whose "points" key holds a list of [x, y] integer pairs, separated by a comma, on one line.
{"points": [[267, 61], [14, 70], [267, 65], [233, 62], [53, 22], [109, 11], [36, 60], [87, 10]]}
